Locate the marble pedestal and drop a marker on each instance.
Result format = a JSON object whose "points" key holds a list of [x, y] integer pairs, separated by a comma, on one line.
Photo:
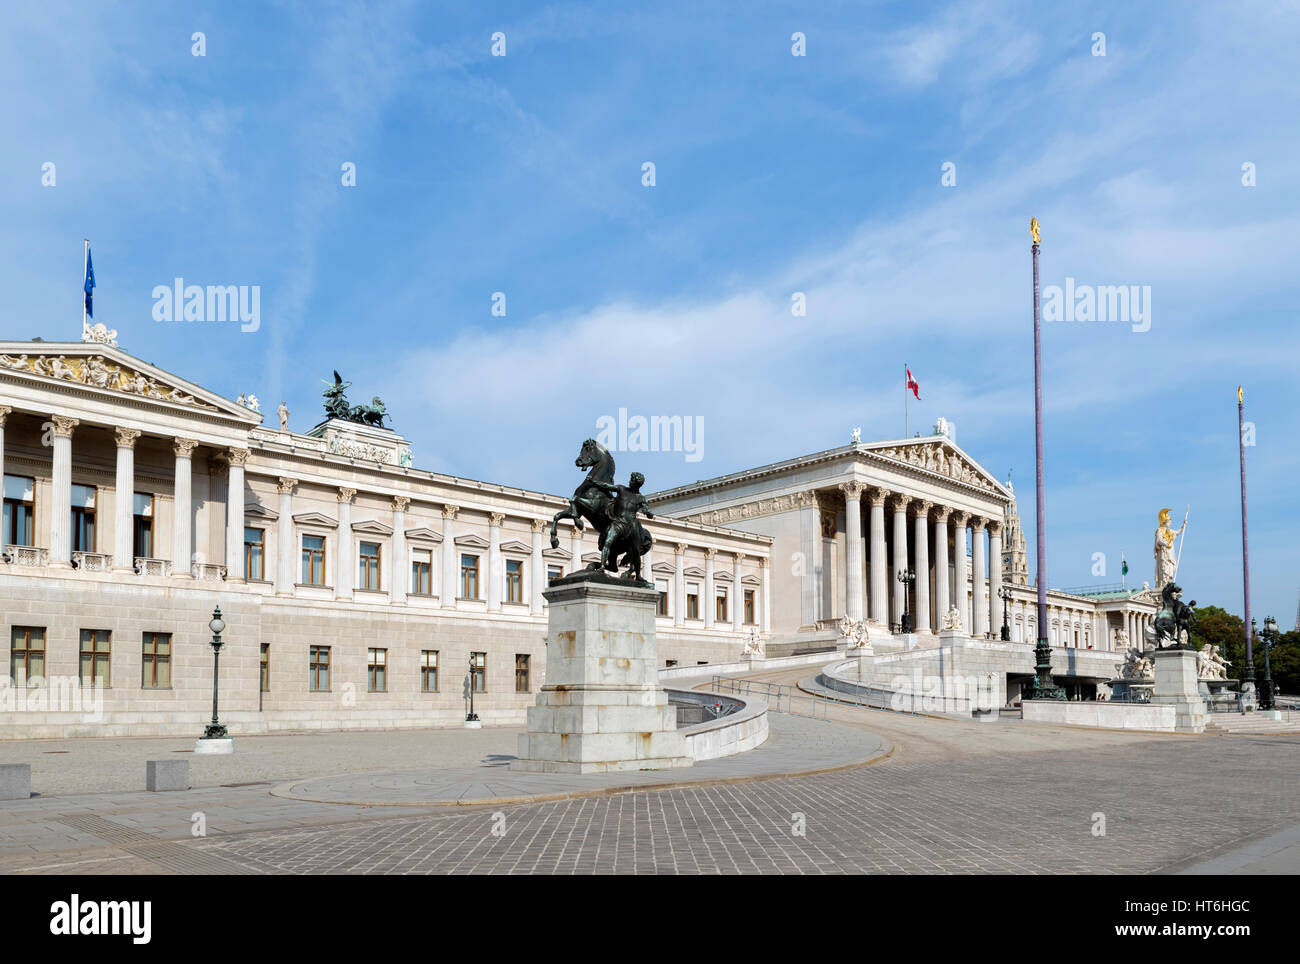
{"points": [[1176, 684], [602, 708]]}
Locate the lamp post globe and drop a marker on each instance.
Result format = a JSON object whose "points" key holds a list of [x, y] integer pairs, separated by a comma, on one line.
{"points": [[1266, 701], [906, 577], [1004, 593], [471, 717]]}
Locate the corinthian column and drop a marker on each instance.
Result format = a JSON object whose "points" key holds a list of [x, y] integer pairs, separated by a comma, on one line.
{"points": [[710, 597], [879, 595], [285, 548], [236, 459], [496, 582], [347, 560], [61, 485], [679, 584], [921, 618], [853, 547], [124, 500], [901, 503], [995, 578], [400, 568], [450, 588], [182, 508], [959, 592], [737, 593], [538, 568], [978, 591], [941, 598]]}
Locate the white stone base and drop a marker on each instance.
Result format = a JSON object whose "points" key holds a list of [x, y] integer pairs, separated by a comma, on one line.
{"points": [[219, 745], [1176, 685], [473, 724], [602, 709]]}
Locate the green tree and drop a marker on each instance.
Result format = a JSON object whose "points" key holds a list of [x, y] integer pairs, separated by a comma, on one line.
{"points": [[1228, 632]]}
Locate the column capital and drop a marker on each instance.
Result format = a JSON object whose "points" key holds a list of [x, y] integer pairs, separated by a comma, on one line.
{"points": [[126, 437], [496, 518], [710, 552], [878, 496], [680, 549], [449, 511], [960, 519], [400, 502], [995, 527], [901, 502], [236, 456], [763, 562], [977, 523], [63, 425], [853, 490], [346, 494], [941, 513], [183, 448], [539, 525], [217, 466], [923, 507], [5, 412], [739, 557], [286, 485]]}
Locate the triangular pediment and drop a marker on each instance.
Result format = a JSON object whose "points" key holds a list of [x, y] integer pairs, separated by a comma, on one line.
{"points": [[515, 547], [317, 519], [940, 455], [105, 368], [557, 553], [665, 568], [423, 534], [255, 510], [472, 541], [372, 527], [751, 581], [591, 557], [694, 571]]}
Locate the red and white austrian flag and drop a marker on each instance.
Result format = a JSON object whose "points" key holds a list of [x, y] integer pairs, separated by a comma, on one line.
{"points": [[911, 383]]}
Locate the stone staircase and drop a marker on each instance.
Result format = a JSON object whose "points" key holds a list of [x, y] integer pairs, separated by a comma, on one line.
{"points": [[1253, 723]]}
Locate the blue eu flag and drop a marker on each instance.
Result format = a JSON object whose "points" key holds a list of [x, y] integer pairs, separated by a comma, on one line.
{"points": [[90, 286]]}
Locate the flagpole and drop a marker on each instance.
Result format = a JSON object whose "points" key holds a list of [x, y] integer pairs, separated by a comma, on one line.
{"points": [[905, 425], [85, 263], [1248, 673]]}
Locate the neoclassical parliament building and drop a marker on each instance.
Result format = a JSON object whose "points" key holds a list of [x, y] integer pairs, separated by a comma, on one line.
{"points": [[362, 592]]}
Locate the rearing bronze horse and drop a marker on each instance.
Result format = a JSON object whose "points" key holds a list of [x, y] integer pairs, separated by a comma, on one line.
{"points": [[589, 502]]}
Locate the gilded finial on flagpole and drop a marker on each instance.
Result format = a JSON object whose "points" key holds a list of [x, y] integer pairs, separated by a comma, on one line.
{"points": [[1240, 398], [1033, 230]]}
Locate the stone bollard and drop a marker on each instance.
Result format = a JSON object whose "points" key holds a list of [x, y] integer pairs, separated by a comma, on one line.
{"points": [[15, 781], [167, 775]]}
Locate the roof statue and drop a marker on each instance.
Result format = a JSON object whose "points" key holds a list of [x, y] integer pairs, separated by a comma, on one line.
{"points": [[336, 405]]}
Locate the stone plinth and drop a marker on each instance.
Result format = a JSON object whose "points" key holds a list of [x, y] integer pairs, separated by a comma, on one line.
{"points": [[602, 708], [222, 745], [1176, 685], [162, 775], [15, 781]]}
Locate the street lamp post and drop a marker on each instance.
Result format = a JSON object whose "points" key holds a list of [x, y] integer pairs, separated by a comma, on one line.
{"points": [[214, 730], [1004, 592], [1266, 701], [906, 577], [472, 717]]}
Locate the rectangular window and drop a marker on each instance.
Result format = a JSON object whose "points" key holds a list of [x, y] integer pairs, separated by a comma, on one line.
{"points": [[478, 671], [20, 510], [553, 573], [83, 518], [749, 607], [369, 575], [27, 654], [266, 667], [522, 661], [422, 572], [313, 560], [377, 670], [720, 606], [469, 577], [429, 671], [142, 526], [254, 553], [95, 645], [514, 581], [156, 662], [693, 600], [318, 669], [661, 605]]}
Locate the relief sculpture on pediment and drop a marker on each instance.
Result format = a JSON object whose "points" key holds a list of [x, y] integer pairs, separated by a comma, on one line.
{"points": [[96, 372]]}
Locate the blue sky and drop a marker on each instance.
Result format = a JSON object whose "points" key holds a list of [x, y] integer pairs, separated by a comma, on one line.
{"points": [[774, 174]]}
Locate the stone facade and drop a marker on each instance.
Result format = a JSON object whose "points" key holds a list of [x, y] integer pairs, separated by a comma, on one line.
{"points": [[136, 501]]}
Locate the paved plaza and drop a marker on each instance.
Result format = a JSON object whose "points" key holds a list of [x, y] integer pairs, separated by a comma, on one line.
{"points": [[896, 794]]}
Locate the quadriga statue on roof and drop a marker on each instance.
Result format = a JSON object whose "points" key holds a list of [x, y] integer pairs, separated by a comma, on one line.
{"points": [[612, 509], [336, 405]]}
